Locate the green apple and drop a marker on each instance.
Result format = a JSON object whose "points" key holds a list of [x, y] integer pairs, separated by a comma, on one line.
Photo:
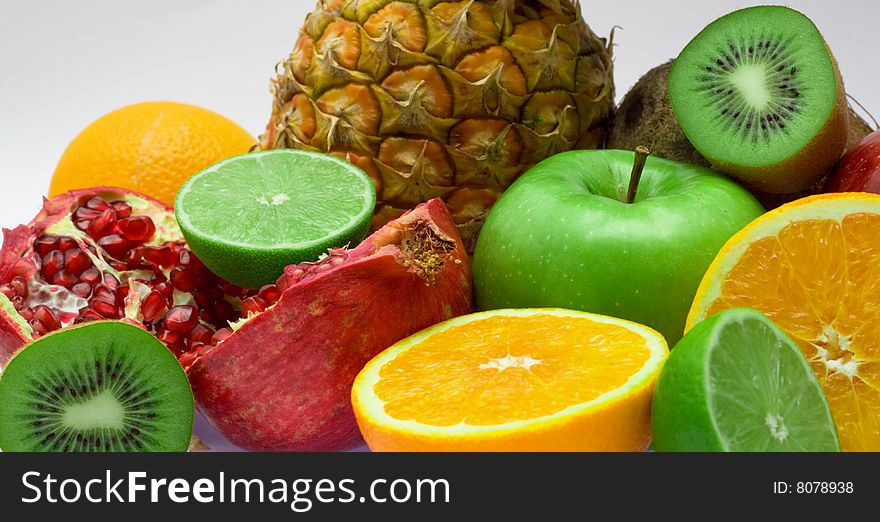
{"points": [[610, 232]]}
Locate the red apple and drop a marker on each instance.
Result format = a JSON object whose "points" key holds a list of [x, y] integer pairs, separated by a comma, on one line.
{"points": [[859, 169]]}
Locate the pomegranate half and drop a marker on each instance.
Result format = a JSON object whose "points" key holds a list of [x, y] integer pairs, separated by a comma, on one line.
{"points": [[271, 368], [282, 381], [108, 253]]}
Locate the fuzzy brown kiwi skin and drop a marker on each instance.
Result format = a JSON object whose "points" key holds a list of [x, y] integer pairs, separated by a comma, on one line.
{"points": [[645, 117]]}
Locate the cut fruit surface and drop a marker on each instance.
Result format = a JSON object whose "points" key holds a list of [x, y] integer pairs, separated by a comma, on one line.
{"points": [[102, 386], [759, 95], [737, 382], [812, 266], [513, 380], [250, 216]]}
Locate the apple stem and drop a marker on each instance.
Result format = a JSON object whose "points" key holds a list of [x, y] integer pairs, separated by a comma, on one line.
{"points": [[641, 157]]}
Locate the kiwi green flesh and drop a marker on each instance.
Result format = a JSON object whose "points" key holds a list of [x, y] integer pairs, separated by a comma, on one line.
{"points": [[103, 386], [754, 87]]}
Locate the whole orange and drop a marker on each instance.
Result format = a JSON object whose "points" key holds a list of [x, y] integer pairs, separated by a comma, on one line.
{"points": [[150, 147]]}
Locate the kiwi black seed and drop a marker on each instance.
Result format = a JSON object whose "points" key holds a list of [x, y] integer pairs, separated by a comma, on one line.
{"points": [[759, 95], [102, 386]]}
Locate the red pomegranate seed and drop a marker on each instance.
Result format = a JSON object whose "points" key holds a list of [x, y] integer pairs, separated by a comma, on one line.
{"points": [[187, 258], [134, 258], [221, 335], [90, 315], [65, 243], [183, 278], [38, 327], [153, 306], [91, 276], [45, 315], [165, 289], [106, 309], [140, 228], [103, 224], [24, 268], [110, 281], [232, 289], [7, 290], [201, 334], [20, 286], [97, 203], [52, 263], [181, 318], [123, 209], [253, 305], [223, 311], [114, 244], [26, 313], [45, 244], [270, 294], [17, 302], [76, 261], [175, 341], [86, 214], [122, 294], [83, 290], [65, 279], [204, 299], [160, 256], [105, 295]]}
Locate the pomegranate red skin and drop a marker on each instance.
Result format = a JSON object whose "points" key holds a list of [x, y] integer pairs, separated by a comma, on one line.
{"points": [[17, 241], [859, 169], [282, 382]]}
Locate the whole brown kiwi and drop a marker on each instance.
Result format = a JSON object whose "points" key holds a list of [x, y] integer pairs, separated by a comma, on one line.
{"points": [[645, 117]]}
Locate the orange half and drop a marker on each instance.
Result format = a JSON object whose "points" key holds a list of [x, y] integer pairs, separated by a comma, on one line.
{"points": [[513, 380], [813, 266]]}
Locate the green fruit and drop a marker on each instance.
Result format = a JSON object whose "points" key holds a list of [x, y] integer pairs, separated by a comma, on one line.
{"points": [[102, 386], [563, 237], [759, 95], [249, 216], [737, 382]]}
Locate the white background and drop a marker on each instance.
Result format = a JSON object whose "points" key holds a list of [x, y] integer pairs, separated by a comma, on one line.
{"points": [[65, 63]]}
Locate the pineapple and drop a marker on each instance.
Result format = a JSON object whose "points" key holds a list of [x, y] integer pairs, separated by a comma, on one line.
{"points": [[443, 99]]}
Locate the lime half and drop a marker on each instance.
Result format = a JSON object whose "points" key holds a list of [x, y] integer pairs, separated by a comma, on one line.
{"points": [[249, 216], [737, 382]]}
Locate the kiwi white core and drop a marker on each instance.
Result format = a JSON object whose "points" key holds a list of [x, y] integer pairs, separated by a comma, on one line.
{"points": [[751, 82], [100, 411]]}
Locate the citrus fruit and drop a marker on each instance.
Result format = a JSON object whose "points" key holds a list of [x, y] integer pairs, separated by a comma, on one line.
{"points": [[150, 147], [737, 382], [513, 380], [813, 267], [249, 216]]}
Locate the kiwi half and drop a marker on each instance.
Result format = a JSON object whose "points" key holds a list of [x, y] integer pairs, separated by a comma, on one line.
{"points": [[102, 386], [760, 96]]}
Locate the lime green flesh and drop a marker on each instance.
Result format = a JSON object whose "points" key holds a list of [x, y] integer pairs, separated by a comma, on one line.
{"points": [[754, 87], [103, 386], [249, 216], [737, 382]]}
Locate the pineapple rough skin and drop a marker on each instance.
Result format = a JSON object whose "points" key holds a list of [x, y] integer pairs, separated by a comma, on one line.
{"points": [[443, 99]]}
